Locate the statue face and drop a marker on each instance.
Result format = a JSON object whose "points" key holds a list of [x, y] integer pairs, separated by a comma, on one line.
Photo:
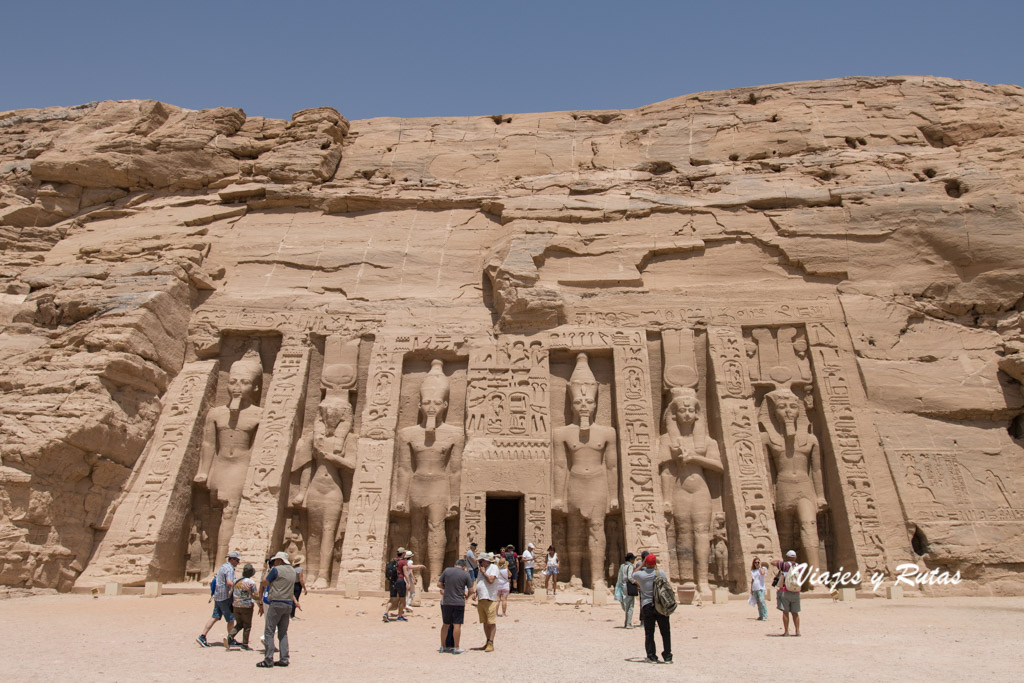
{"points": [[584, 405], [433, 406], [241, 384], [334, 414], [787, 409], [687, 410]]}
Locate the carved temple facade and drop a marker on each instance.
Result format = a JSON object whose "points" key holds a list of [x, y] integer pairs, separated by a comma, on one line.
{"points": [[506, 395]]}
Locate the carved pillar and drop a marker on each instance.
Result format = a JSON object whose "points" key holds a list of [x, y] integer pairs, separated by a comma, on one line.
{"points": [[362, 556], [747, 483], [146, 537], [259, 528], [638, 438], [877, 537]]}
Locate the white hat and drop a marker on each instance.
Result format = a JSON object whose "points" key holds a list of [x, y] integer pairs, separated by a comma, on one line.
{"points": [[791, 553], [283, 556], [530, 546], [486, 557], [233, 555], [408, 553]]}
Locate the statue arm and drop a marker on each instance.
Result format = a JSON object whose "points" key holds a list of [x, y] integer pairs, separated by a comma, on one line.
{"points": [[712, 459], [303, 460], [403, 474], [819, 486], [665, 475], [455, 473], [338, 457], [207, 450], [611, 461], [559, 473], [768, 467]]}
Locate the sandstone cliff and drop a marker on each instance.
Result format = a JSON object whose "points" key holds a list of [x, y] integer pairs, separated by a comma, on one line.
{"points": [[900, 198]]}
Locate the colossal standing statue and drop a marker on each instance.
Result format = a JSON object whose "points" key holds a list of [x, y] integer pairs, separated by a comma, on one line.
{"points": [[227, 445], [321, 462], [429, 472], [687, 453], [796, 457], [585, 475]]}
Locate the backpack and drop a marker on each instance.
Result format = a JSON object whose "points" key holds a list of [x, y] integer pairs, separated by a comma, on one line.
{"points": [[792, 581], [391, 571], [664, 596]]}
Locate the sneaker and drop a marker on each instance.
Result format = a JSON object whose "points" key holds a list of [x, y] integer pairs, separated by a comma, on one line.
{"points": [[668, 661], [202, 641], [386, 620], [231, 644], [244, 646], [457, 651], [489, 647], [442, 650], [401, 619], [651, 660]]}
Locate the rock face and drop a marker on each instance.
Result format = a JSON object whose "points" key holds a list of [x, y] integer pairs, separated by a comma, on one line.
{"points": [[799, 307]]}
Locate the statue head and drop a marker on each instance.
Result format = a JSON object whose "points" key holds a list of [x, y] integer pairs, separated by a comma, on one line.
{"points": [[800, 348], [244, 379], [335, 410], [684, 406], [583, 391], [785, 409], [434, 395]]}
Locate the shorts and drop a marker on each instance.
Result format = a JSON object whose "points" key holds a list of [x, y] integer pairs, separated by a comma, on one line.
{"points": [[222, 608], [487, 610], [453, 614], [551, 571], [398, 589], [529, 573], [503, 591], [788, 602]]}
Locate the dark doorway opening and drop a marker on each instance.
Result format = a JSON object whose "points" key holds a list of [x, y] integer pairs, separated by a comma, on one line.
{"points": [[504, 523]]}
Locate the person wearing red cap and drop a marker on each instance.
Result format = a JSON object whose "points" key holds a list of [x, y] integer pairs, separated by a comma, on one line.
{"points": [[644, 579]]}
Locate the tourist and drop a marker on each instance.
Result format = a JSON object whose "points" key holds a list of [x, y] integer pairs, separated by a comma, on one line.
{"points": [[300, 585], [644, 579], [513, 565], [625, 590], [757, 574], [503, 583], [551, 572], [243, 605], [454, 582], [471, 559], [397, 589], [410, 578], [222, 600], [280, 585], [787, 599], [486, 593], [527, 558]]}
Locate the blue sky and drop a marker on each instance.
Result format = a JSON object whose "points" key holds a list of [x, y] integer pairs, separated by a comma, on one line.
{"points": [[479, 58]]}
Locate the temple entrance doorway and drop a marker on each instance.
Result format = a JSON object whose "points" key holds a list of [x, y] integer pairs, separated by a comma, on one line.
{"points": [[504, 517]]}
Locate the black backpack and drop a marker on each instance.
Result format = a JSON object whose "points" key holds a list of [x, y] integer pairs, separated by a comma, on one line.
{"points": [[391, 571]]}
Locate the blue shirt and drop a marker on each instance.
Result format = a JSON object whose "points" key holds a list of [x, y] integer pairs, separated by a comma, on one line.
{"points": [[225, 576]]}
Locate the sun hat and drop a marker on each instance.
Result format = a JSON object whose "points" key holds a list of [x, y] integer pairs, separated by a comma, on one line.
{"points": [[283, 556], [530, 546]]}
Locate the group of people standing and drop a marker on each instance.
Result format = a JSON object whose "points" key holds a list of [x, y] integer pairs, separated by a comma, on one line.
{"points": [[519, 568], [276, 596]]}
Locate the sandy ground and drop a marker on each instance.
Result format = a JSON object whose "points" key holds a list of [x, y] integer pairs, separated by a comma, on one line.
{"points": [[131, 638]]}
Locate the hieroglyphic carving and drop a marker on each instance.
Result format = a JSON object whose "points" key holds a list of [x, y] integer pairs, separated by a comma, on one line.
{"points": [[508, 390], [147, 530], [934, 488], [510, 449], [259, 526], [713, 313], [537, 509], [840, 399], [249, 319], [746, 474], [638, 435]]}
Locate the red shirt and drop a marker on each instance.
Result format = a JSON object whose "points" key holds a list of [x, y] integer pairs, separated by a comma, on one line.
{"points": [[401, 570]]}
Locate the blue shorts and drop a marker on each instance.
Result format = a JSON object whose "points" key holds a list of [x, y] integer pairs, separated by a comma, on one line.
{"points": [[222, 608], [529, 573]]}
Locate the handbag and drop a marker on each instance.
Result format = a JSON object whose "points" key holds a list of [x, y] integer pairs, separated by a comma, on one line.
{"points": [[775, 581], [632, 589]]}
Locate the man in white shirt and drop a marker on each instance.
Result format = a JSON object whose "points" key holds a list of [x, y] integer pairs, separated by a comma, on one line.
{"points": [[527, 558], [487, 595]]}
